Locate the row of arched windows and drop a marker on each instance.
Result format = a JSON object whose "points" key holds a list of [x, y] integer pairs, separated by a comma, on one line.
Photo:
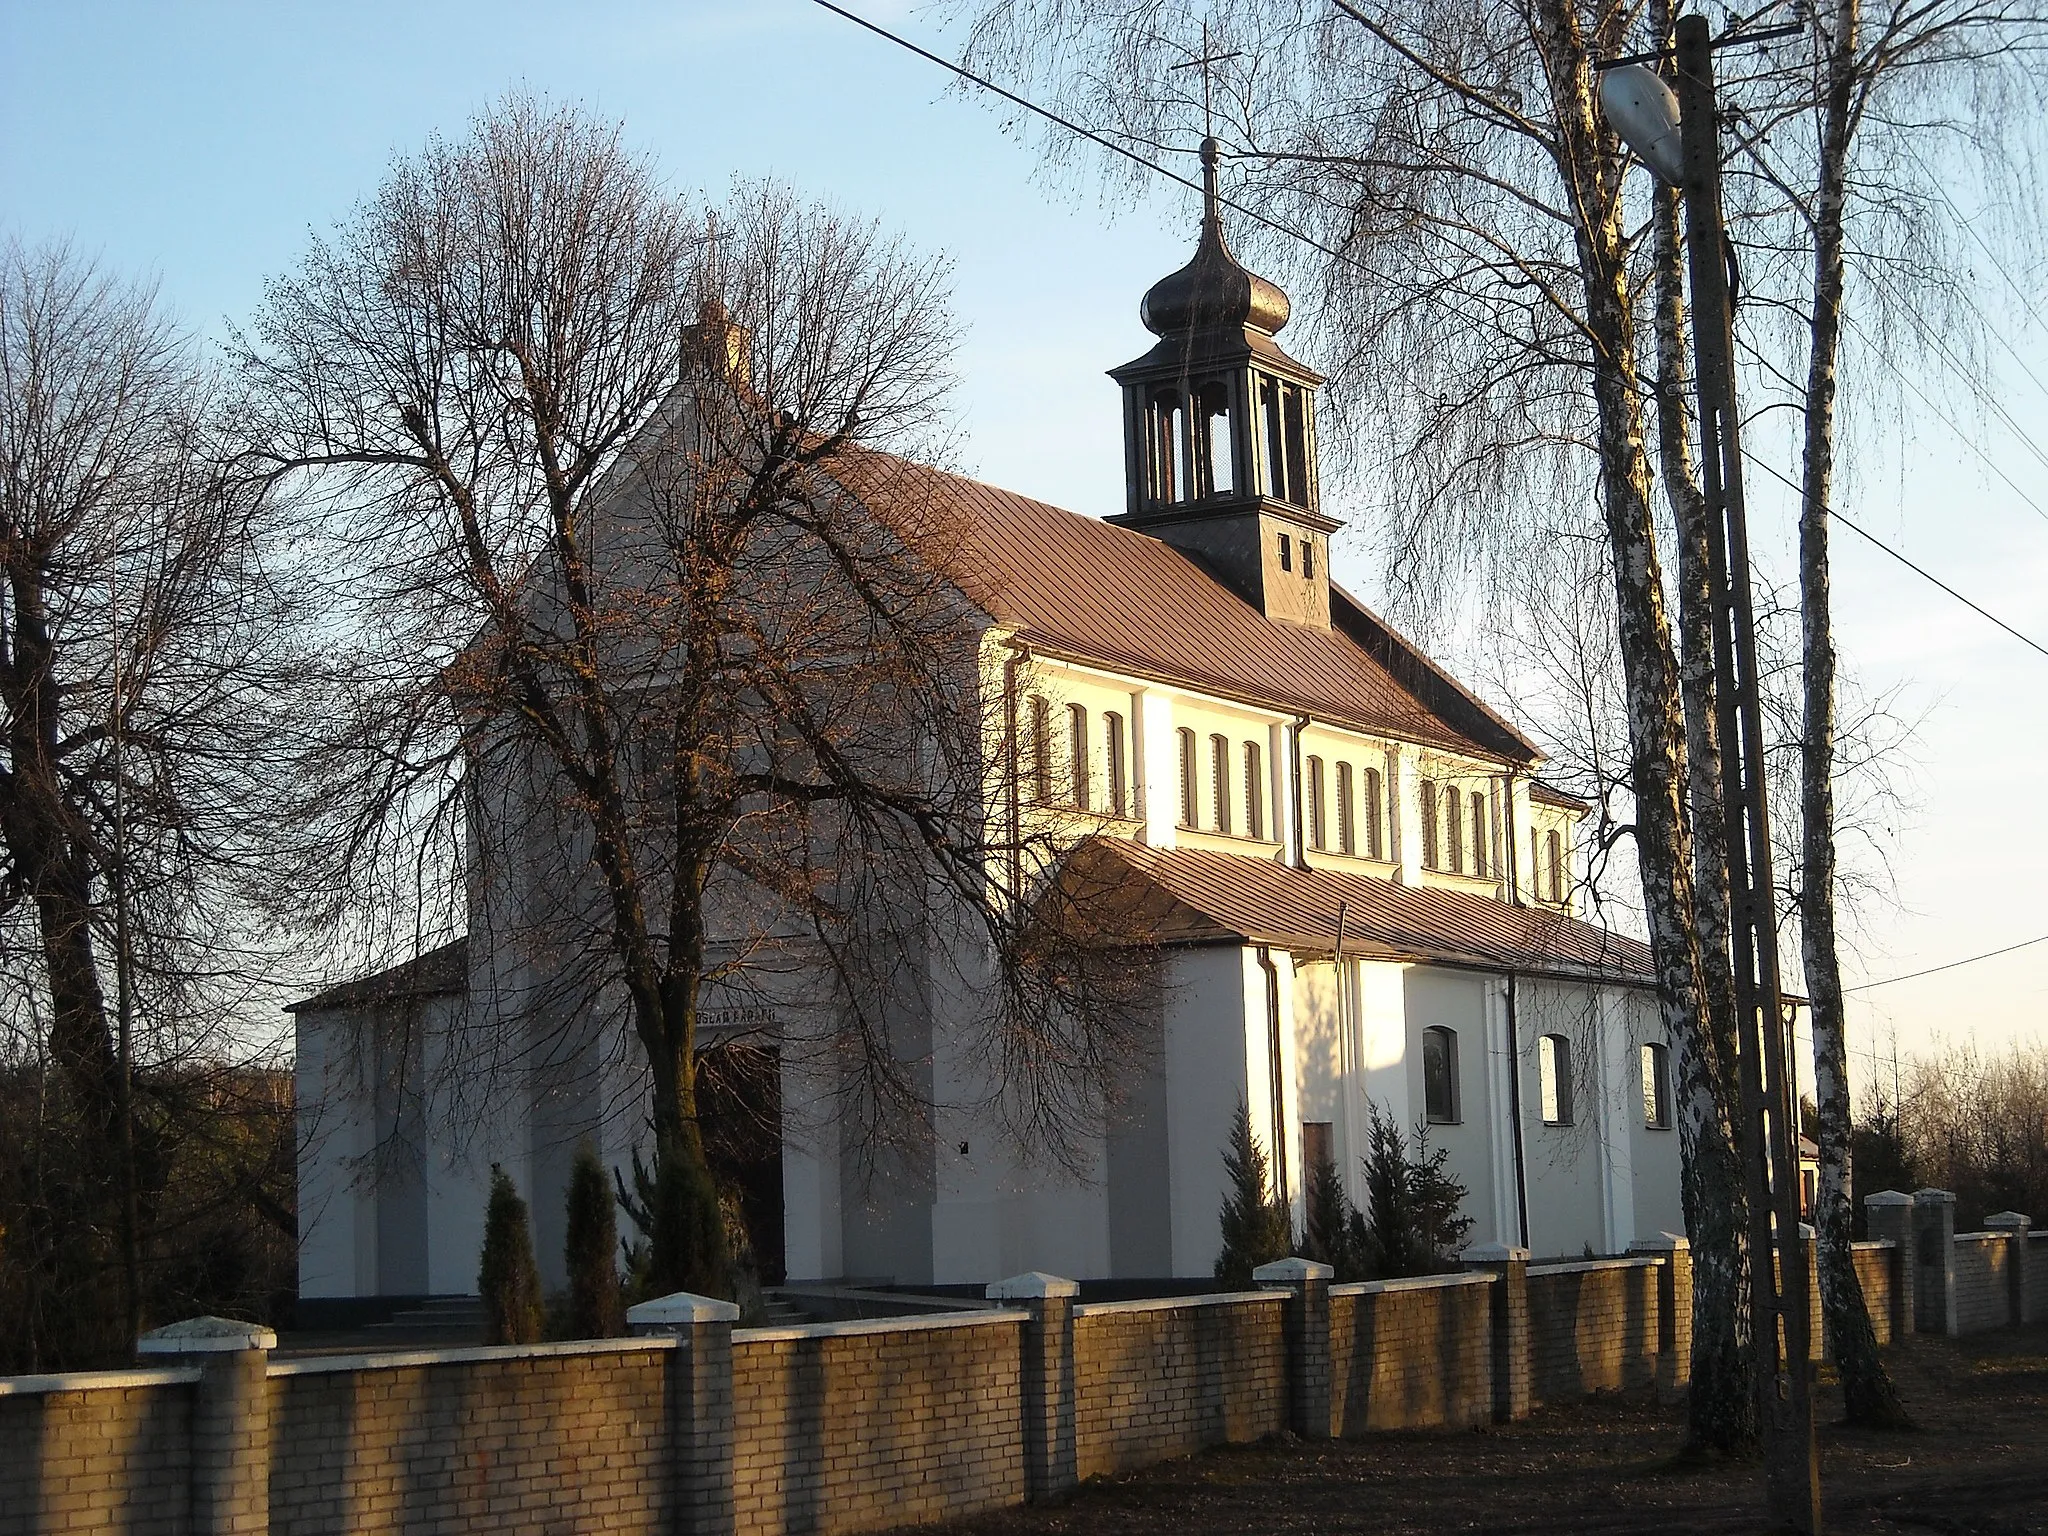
{"points": [[1554, 1080], [1064, 771], [1239, 814], [1360, 810], [1457, 829]]}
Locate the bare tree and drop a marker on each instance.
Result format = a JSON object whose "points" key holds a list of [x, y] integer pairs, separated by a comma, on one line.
{"points": [[141, 642], [641, 601], [1475, 290]]}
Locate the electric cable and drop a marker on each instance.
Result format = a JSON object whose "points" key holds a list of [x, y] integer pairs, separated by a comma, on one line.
{"points": [[1934, 970]]}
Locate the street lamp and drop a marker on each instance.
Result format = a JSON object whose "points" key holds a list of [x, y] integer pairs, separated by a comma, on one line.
{"points": [[1677, 136]]}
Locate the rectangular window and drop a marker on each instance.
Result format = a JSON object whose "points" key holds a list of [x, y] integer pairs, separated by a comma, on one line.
{"points": [[1657, 1087], [1554, 1079], [1286, 554], [1119, 789], [1219, 775], [1308, 559], [1347, 828], [1316, 836], [1254, 793]]}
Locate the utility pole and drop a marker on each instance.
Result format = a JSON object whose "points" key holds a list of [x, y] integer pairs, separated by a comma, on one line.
{"points": [[1767, 1125], [1779, 1322]]}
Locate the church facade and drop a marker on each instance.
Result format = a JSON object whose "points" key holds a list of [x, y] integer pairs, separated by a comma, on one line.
{"points": [[1364, 892]]}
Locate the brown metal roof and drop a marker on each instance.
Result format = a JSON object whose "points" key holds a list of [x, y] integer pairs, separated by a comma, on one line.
{"points": [[1086, 590], [437, 973], [1191, 895]]}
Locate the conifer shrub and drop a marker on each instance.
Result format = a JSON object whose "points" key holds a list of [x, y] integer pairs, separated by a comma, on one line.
{"points": [[1413, 1222], [1330, 1229], [595, 1309], [1256, 1227], [507, 1277]]}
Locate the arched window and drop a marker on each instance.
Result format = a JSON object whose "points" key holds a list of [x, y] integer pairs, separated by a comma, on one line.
{"points": [[1553, 863], [1169, 419], [1040, 787], [1454, 831], [1375, 814], [1213, 471], [1429, 827], [1077, 756], [1440, 1075], [1190, 808], [1347, 819], [1554, 1078], [1119, 779], [1657, 1087], [1219, 780], [1317, 827], [1254, 793], [1482, 839]]}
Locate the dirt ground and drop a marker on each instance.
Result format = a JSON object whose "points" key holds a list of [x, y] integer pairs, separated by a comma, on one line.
{"points": [[1978, 1464]]}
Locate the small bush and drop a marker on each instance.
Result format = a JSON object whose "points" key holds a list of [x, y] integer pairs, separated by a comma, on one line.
{"points": [[507, 1277], [594, 1309], [1413, 1223], [1256, 1227], [1330, 1231]]}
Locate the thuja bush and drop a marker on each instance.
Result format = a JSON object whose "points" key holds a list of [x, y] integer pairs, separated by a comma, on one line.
{"points": [[507, 1278], [595, 1308], [1256, 1228]]}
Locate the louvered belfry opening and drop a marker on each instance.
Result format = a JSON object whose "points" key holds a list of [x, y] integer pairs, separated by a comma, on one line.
{"points": [[1220, 429]]}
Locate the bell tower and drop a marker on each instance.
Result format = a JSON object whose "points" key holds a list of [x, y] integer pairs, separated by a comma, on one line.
{"points": [[1220, 430]]}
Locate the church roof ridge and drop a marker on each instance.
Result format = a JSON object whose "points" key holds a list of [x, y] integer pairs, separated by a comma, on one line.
{"points": [[1088, 590]]}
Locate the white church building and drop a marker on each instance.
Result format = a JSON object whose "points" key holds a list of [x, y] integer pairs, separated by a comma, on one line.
{"points": [[1366, 890]]}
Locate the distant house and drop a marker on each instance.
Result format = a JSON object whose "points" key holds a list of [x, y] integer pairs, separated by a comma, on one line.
{"points": [[1364, 889]]}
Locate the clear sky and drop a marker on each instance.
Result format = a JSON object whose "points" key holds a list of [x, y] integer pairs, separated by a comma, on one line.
{"points": [[202, 142]]}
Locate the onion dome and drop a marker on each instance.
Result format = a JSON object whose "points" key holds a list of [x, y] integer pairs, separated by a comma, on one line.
{"points": [[1214, 291]]}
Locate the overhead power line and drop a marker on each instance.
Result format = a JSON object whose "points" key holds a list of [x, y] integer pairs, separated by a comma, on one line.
{"points": [[1932, 970], [1921, 571], [962, 72]]}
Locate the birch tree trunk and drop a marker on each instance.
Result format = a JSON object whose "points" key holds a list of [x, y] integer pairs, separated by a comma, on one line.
{"points": [[1869, 1398]]}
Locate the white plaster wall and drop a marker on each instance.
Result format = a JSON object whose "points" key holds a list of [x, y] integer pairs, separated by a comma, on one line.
{"points": [[1437, 995], [1208, 1006], [1654, 1156], [334, 1128], [1564, 1163]]}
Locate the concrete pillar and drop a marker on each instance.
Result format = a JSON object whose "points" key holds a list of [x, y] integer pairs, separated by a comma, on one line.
{"points": [[1934, 1261], [1310, 1400], [230, 1419], [699, 1405], [1674, 1310], [1888, 1217], [1512, 1386], [2015, 1227], [1051, 1460]]}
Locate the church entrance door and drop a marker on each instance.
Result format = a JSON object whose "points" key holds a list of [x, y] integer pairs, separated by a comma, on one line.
{"points": [[739, 1112]]}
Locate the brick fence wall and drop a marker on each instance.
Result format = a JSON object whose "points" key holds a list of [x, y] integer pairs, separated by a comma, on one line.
{"points": [[1162, 1378], [843, 1427], [1411, 1354]]}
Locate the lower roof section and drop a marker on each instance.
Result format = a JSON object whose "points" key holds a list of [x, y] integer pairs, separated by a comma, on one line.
{"points": [[437, 973], [1190, 895]]}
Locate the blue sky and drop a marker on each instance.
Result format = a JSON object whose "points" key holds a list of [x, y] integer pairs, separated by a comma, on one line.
{"points": [[202, 142]]}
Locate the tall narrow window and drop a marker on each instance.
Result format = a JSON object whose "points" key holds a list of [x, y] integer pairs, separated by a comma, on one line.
{"points": [[1294, 402], [1254, 793], [1190, 810], [1375, 839], [1553, 864], [1275, 438], [1317, 828], [1169, 445], [1041, 752], [1482, 840], [1308, 559], [1429, 827], [1454, 832], [1657, 1087], [1440, 1075], [1212, 443], [1119, 784], [1347, 819], [1554, 1078], [1077, 757], [1219, 779], [1286, 553]]}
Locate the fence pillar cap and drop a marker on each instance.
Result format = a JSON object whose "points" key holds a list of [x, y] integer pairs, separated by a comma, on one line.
{"points": [[1292, 1271], [1933, 1197], [1662, 1242], [1035, 1285], [1494, 1253], [680, 1309], [1807, 1232], [1887, 1197], [2013, 1220], [205, 1336]]}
